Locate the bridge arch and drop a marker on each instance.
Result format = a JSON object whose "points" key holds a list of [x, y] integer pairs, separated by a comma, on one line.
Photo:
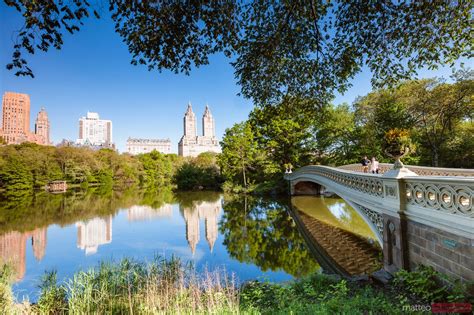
{"points": [[306, 188], [304, 185]]}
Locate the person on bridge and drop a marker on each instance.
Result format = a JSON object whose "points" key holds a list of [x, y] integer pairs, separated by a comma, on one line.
{"points": [[374, 166], [365, 164]]}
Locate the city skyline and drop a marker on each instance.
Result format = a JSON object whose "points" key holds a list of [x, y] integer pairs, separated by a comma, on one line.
{"points": [[76, 79]]}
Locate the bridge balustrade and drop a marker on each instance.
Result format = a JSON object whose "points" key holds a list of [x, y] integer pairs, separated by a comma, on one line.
{"points": [[441, 194], [419, 170]]}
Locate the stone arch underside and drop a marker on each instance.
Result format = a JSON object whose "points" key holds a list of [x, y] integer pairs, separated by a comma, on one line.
{"points": [[306, 188], [371, 217], [331, 246]]}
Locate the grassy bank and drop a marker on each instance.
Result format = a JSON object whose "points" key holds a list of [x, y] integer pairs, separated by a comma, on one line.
{"points": [[169, 286]]}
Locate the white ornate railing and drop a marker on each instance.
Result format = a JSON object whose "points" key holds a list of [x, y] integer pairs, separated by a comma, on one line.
{"points": [[419, 170], [367, 183], [448, 195]]}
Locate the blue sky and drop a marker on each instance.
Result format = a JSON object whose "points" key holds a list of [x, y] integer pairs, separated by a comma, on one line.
{"points": [[92, 72]]}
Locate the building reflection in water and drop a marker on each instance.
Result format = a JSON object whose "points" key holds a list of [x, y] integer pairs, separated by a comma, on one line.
{"points": [[92, 233], [209, 211], [147, 213], [13, 249], [98, 231]]}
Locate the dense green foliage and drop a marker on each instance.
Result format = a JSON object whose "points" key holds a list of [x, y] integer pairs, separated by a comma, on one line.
{"points": [[436, 113], [437, 117], [306, 49], [29, 166], [199, 173], [317, 294], [321, 294], [240, 156]]}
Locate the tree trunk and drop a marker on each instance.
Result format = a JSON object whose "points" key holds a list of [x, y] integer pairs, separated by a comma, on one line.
{"points": [[435, 157], [243, 174]]}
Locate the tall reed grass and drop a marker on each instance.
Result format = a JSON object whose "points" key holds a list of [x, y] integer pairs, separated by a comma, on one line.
{"points": [[132, 287]]}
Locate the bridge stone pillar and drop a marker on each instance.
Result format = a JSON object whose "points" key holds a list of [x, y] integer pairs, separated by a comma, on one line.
{"points": [[395, 244]]}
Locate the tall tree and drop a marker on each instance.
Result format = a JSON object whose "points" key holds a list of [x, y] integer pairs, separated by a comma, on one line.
{"points": [[335, 136], [283, 131], [240, 154]]}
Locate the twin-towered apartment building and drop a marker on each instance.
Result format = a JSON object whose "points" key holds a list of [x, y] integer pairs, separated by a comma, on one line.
{"points": [[191, 144]]}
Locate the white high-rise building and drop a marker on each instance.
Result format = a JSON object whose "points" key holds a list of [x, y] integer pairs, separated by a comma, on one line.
{"points": [[191, 144], [94, 131]]}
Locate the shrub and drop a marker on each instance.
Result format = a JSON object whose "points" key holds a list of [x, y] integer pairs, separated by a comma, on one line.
{"points": [[431, 286]]}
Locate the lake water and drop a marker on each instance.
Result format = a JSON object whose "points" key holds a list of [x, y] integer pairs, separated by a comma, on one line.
{"points": [[254, 238]]}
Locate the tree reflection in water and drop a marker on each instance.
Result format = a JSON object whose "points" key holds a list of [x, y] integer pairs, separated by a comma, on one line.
{"points": [[27, 212], [261, 231]]}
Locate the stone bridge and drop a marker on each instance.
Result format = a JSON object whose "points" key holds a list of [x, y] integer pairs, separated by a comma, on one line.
{"points": [[421, 215]]}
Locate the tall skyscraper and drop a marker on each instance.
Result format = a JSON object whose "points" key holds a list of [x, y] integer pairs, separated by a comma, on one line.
{"points": [[208, 125], [13, 252], [15, 126], [94, 131], [13, 249], [42, 126], [15, 117], [38, 241], [191, 217], [189, 120], [191, 144], [210, 212]]}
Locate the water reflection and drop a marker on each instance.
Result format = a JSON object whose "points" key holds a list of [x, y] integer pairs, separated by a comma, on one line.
{"points": [[13, 249], [251, 236], [335, 212], [206, 210], [94, 232], [261, 231], [338, 236], [147, 213], [85, 227]]}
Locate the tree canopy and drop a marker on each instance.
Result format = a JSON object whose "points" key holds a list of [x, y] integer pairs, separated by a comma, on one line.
{"points": [[307, 48]]}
